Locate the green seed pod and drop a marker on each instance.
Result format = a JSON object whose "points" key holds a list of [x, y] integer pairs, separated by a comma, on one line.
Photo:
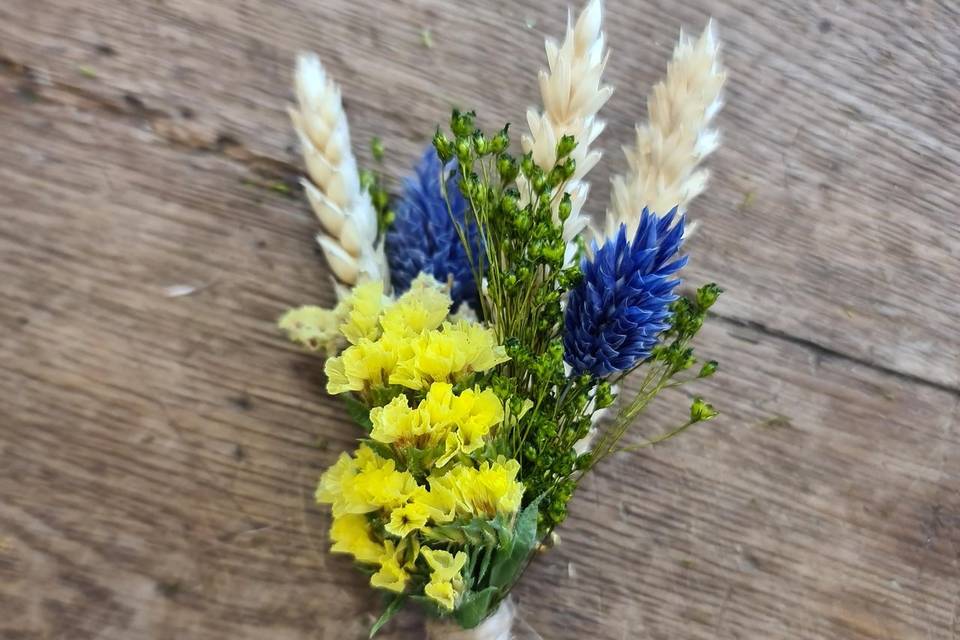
{"points": [[464, 152], [701, 411], [376, 149], [508, 169], [462, 123], [527, 165], [443, 146], [480, 143], [501, 141], [708, 369], [707, 295], [566, 146], [565, 208]]}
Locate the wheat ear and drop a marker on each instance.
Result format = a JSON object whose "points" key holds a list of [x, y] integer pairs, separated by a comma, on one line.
{"points": [[572, 96], [677, 136], [343, 207]]}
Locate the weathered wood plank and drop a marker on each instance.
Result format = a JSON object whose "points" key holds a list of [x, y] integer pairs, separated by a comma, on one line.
{"points": [[832, 213], [158, 454]]}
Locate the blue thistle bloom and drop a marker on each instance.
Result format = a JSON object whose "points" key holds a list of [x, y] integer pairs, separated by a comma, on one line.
{"points": [[616, 313], [423, 238]]}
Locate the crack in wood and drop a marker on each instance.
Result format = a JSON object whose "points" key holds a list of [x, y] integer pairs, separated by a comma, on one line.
{"points": [[822, 350]]}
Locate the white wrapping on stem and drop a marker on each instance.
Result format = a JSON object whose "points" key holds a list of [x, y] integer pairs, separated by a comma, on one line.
{"points": [[498, 626]]}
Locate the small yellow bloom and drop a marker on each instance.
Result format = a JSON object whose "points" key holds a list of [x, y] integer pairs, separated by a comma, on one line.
{"points": [[479, 343], [484, 492], [352, 534], [442, 593], [440, 502], [394, 422], [444, 565], [332, 481], [437, 406], [364, 484], [498, 481], [391, 575], [384, 487], [477, 412], [362, 312], [406, 519], [423, 308], [362, 366], [315, 328], [451, 447], [446, 582], [447, 355]]}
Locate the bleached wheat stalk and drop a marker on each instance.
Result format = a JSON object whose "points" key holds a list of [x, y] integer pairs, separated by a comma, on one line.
{"points": [[342, 205], [676, 138], [572, 96]]}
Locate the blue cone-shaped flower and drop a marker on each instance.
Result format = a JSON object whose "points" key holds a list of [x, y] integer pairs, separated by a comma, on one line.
{"points": [[423, 238], [616, 313]]}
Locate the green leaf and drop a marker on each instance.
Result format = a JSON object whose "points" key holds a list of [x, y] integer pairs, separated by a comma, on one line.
{"points": [[381, 449], [511, 557], [392, 608], [474, 607], [476, 532], [359, 412]]}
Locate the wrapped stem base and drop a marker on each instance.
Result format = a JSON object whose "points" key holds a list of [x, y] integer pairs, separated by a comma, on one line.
{"points": [[497, 626]]}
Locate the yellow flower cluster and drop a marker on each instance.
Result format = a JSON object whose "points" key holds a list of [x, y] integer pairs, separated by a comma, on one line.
{"points": [[366, 489], [442, 420], [407, 342], [427, 463]]}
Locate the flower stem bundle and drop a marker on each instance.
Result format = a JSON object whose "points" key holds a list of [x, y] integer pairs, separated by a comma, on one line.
{"points": [[480, 339]]}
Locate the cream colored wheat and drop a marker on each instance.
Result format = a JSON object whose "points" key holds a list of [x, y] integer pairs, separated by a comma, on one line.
{"points": [[663, 165], [572, 94], [341, 204]]}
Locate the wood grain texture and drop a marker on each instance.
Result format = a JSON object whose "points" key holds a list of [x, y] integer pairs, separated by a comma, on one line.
{"points": [[158, 453]]}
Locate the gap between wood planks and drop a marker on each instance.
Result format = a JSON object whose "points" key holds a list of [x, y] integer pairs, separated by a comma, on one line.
{"points": [[166, 127]]}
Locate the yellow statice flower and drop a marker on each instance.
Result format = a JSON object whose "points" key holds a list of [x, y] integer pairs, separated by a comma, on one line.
{"points": [[315, 328], [422, 308], [440, 502], [351, 533], [484, 492], [477, 412], [496, 484], [481, 350], [365, 365], [457, 423], [408, 518], [391, 576], [364, 484], [362, 312], [332, 481], [397, 422], [446, 582], [447, 355], [383, 487]]}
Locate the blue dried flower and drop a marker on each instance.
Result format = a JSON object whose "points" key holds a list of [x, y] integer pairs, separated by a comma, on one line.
{"points": [[616, 313], [423, 238]]}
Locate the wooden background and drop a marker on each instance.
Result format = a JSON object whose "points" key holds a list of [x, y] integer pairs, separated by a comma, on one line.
{"points": [[157, 454]]}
